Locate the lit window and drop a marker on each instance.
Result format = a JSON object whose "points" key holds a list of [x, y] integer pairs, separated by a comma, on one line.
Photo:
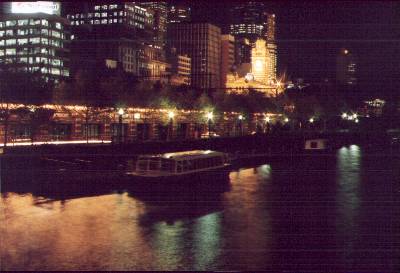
{"points": [[77, 23], [104, 14], [45, 22], [22, 41], [11, 23], [115, 20], [97, 22], [9, 32], [58, 25], [23, 22], [2, 24], [105, 7], [1, 42], [44, 70], [1, 52], [97, 8], [104, 21], [44, 50], [97, 14], [45, 41], [45, 31], [90, 15], [11, 42], [55, 71], [10, 51]]}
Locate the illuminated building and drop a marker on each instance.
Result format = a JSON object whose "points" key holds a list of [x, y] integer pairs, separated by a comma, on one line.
{"points": [[202, 43], [251, 20], [179, 14], [242, 51], [122, 32], [180, 69], [263, 62], [160, 9], [346, 68], [33, 39], [227, 56]]}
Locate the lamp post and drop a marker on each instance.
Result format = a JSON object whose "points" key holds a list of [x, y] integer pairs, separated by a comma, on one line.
{"points": [[171, 116], [267, 120], [209, 120], [240, 117], [120, 114]]}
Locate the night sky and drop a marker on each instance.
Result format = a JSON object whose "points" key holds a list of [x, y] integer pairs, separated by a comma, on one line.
{"points": [[310, 35]]}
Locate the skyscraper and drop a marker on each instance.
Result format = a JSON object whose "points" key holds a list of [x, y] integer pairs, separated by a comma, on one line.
{"points": [[202, 43], [160, 10], [346, 68], [33, 39], [227, 57], [252, 21], [121, 32], [179, 13]]}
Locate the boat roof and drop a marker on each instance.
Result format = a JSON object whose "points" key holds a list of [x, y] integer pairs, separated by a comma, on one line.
{"points": [[186, 155]]}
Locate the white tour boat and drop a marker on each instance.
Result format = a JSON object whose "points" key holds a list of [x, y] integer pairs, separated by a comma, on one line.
{"points": [[180, 166]]}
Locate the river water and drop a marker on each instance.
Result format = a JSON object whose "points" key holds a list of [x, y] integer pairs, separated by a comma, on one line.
{"points": [[336, 213]]}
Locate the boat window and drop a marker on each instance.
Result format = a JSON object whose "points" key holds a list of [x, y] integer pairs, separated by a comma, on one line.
{"points": [[167, 165], [153, 165], [314, 144], [142, 165]]}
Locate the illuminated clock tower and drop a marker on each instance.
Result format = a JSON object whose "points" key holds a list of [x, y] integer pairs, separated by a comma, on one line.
{"points": [[259, 61]]}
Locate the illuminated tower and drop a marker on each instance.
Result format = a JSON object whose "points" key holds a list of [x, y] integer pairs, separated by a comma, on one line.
{"points": [[260, 62], [346, 68]]}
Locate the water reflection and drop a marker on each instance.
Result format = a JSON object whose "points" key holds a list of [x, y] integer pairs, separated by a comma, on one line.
{"points": [[348, 197], [303, 219]]}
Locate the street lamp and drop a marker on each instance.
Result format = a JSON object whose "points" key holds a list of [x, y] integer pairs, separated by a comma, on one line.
{"points": [[171, 116], [209, 120], [120, 114], [344, 115], [286, 120], [311, 120], [240, 117]]}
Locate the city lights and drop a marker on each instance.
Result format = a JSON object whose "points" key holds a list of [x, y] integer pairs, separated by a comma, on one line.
{"points": [[286, 120], [171, 115], [344, 115], [120, 111], [311, 120], [209, 116], [267, 119], [240, 117]]}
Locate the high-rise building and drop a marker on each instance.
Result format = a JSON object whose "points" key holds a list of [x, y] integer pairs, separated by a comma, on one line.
{"points": [[179, 13], [202, 43], [251, 20], [180, 68], [346, 68], [160, 10], [242, 51], [118, 31], [33, 38], [227, 57]]}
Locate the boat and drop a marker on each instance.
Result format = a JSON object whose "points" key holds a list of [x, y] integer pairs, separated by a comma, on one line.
{"points": [[318, 144], [187, 167]]}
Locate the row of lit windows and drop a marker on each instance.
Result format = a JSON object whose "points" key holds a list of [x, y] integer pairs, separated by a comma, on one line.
{"points": [[30, 60], [54, 71], [27, 51], [105, 7], [97, 22], [96, 14], [11, 32], [31, 41], [29, 22]]}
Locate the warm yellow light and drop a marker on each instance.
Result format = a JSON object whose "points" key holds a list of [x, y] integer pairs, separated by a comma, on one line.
{"points": [[171, 114], [354, 116], [210, 115], [286, 120], [267, 119], [120, 111], [278, 84], [311, 120], [346, 51], [136, 115], [258, 65], [240, 117], [344, 115]]}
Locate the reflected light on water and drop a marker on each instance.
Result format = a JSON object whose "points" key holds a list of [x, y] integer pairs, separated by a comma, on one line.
{"points": [[207, 241], [348, 193]]}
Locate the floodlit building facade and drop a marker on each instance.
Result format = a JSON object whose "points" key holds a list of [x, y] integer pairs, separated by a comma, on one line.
{"points": [[33, 38]]}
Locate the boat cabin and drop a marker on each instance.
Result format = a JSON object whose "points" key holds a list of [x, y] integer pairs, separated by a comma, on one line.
{"points": [[181, 162], [316, 144]]}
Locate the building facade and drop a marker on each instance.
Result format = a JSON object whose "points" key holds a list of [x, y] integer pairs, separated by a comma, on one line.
{"points": [[346, 68], [70, 123], [227, 57], [122, 32], [180, 68], [33, 38], [202, 43], [179, 13]]}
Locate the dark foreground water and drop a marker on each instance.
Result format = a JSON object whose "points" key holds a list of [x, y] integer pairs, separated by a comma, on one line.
{"points": [[338, 213]]}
